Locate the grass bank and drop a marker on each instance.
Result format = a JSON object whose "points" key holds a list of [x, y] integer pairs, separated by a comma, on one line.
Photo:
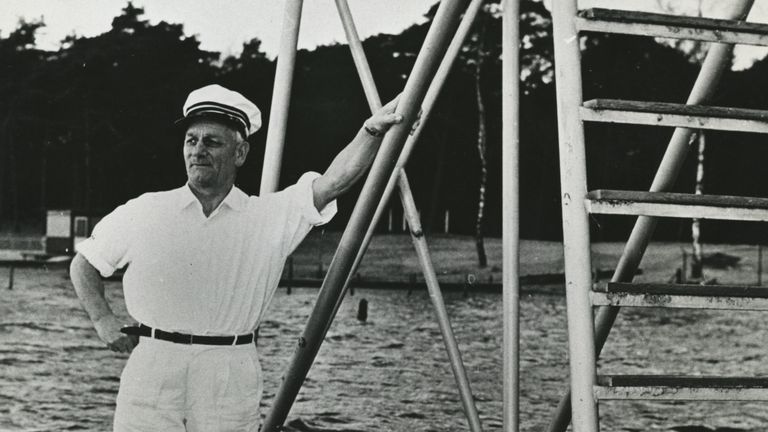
{"points": [[391, 258]]}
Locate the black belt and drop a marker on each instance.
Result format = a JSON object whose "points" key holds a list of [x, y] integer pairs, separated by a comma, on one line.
{"points": [[183, 338]]}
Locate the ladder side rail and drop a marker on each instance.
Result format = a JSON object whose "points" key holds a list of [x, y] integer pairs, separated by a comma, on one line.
{"points": [[576, 242], [510, 157]]}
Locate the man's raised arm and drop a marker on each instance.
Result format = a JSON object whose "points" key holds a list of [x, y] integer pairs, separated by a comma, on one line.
{"points": [[352, 162]]}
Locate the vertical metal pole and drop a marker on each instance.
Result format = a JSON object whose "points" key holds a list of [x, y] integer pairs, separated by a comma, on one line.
{"points": [[281, 97], [445, 22], [510, 162], [717, 61], [573, 185], [411, 215]]}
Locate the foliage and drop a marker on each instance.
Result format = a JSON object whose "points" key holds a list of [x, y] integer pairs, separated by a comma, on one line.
{"points": [[91, 125]]}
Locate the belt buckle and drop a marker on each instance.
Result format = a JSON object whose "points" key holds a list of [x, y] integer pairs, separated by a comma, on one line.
{"points": [[191, 339]]}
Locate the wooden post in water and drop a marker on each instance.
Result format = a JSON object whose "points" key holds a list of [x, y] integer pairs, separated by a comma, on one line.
{"points": [[289, 283], [760, 264], [444, 25], [362, 310], [320, 269], [11, 270]]}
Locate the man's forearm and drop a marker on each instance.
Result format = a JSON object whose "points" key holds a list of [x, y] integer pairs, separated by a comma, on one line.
{"points": [[352, 162], [346, 168], [89, 288]]}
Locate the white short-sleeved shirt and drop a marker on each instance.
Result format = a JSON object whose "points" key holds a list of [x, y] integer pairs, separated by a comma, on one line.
{"points": [[206, 276]]}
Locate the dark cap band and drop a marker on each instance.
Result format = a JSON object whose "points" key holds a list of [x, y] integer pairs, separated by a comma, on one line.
{"points": [[218, 116], [214, 108]]}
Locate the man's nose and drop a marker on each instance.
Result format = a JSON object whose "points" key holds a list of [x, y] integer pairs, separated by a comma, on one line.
{"points": [[199, 149]]}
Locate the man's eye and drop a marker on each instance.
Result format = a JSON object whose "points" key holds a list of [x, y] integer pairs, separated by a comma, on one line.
{"points": [[190, 142]]}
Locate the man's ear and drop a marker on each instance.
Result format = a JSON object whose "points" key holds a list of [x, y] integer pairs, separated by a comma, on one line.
{"points": [[241, 152]]}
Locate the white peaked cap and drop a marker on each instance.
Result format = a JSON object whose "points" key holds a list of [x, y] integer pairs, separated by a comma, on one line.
{"points": [[218, 102]]}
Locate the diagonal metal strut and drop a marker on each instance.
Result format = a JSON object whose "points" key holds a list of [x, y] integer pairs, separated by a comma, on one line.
{"points": [[445, 24], [400, 178]]}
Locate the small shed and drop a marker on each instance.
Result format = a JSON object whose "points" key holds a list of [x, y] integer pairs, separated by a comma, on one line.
{"points": [[66, 228]]}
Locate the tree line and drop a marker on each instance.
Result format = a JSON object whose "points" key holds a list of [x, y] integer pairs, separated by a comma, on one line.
{"points": [[90, 125]]}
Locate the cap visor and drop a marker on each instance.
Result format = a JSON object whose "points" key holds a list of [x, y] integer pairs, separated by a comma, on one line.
{"points": [[185, 122]]}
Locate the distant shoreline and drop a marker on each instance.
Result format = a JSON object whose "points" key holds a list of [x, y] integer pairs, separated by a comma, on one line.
{"points": [[390, 262]]}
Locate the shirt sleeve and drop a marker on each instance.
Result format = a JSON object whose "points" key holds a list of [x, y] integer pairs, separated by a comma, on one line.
{"points": [[108, 247], [305, 199], [295, 206]]}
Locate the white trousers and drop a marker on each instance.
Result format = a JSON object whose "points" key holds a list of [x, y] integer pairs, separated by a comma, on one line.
{"points": [[173, 387]]}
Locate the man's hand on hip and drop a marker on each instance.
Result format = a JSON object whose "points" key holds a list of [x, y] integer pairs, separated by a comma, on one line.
{"points": [[108, 328]]}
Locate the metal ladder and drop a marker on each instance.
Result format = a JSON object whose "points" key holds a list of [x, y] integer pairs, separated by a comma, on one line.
{"points": [[586, 336]]}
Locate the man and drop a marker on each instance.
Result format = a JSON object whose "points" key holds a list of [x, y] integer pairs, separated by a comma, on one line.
{"points": [[203, 263]]}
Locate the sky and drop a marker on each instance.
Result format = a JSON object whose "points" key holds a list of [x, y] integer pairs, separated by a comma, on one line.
{"points": [[221, 25], [224, 25]]}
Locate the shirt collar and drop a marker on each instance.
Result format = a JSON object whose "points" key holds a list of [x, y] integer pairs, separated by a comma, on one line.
{"points": [[236, 199]]}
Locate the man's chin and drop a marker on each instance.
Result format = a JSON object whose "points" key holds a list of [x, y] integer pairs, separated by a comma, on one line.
{"points": [[201, 181]]}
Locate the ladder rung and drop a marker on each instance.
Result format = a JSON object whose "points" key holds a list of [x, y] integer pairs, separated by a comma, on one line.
{"points": [[677, 205], [681, 296], [684, 289], [675, 115], [672, 26], [681, 388]]}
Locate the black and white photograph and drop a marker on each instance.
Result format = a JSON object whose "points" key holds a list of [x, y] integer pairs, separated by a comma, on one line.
{"points": [[383, 215]]}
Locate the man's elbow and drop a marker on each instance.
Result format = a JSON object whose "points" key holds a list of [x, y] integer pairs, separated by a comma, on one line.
{"points": [[326, 189], [80, 268]]}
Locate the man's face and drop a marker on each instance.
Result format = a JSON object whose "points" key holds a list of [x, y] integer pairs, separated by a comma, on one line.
{"points": [[212, 154]]}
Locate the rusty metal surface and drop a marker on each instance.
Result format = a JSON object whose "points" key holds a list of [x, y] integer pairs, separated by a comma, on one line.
{"points": [[689, 394], [676, 32], [679, 301], [672, 21], [673, 120], [619, 207]]}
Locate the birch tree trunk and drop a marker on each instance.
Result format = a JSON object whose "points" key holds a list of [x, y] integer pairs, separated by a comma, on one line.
{"points": [[696, 259], [482, 259]]}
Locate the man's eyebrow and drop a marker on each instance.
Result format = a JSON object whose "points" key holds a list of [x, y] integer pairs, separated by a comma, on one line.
{"points": [[210, 135]]}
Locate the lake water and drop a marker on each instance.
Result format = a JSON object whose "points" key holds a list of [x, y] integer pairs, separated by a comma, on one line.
{"points": [[391, 374]]}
